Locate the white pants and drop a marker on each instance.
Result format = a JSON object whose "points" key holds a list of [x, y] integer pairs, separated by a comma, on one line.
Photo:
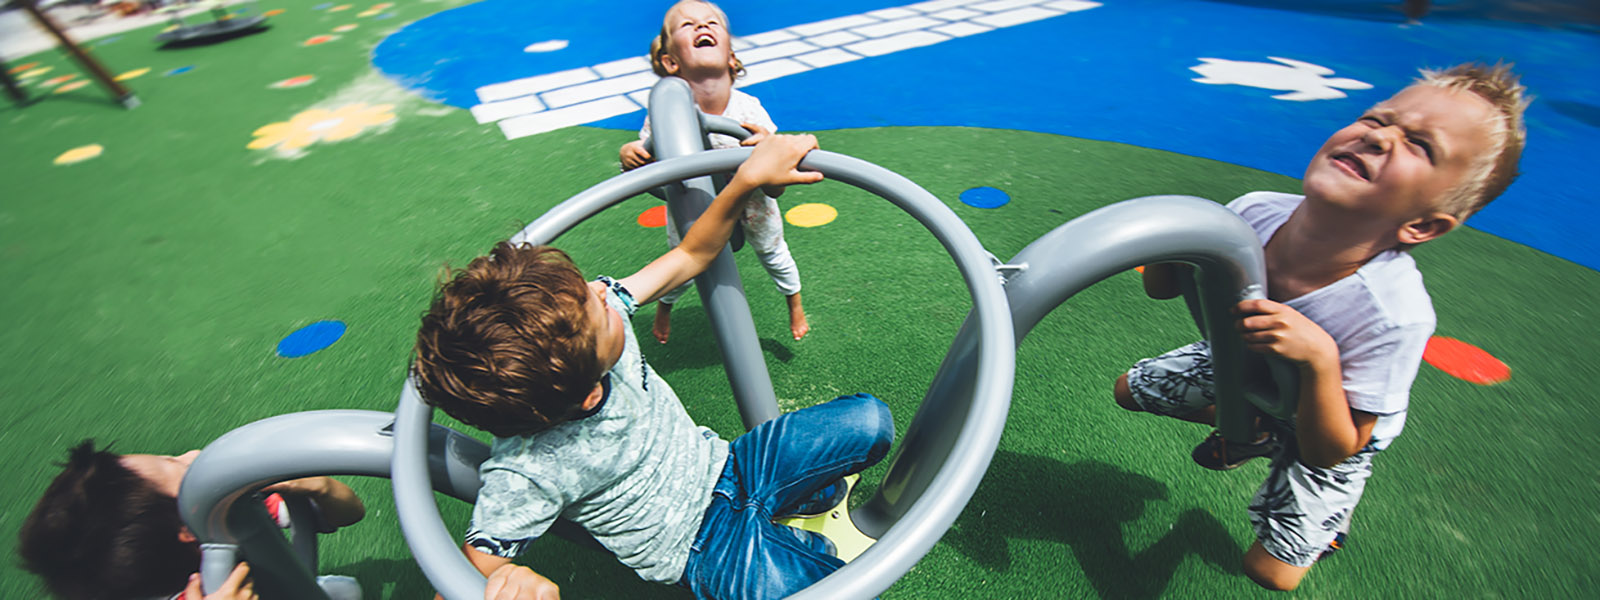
{"points": [[763, 231]]}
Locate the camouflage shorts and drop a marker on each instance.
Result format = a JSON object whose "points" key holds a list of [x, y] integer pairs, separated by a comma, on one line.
{"points": [[1299, 509]]}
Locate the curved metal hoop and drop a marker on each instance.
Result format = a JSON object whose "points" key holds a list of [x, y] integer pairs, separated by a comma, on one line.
{"points": [[924, 522]]}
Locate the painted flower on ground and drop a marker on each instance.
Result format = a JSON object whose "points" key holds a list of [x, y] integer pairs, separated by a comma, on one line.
{"points": [[321, 125]]}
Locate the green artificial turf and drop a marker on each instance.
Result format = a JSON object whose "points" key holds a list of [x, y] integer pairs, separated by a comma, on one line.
{"points": [[147, 288]]}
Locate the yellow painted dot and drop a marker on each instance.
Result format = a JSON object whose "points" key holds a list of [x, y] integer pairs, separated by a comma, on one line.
{"points": [[36, 72], [71, 85], [344, 28], [79, 154], [132, 74], [811, 215]]}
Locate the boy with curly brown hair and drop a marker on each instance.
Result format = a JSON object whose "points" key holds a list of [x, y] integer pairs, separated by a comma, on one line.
{"points": [[518, 344]]}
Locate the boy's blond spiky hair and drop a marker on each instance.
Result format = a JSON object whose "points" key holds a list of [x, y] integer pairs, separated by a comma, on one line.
{"points": [[1497, 168]]}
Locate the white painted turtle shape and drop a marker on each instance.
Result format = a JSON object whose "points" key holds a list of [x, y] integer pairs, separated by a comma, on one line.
{"points": [[1304, 81]]}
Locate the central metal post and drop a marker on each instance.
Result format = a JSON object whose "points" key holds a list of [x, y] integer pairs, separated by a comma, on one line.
{"points": [[676, 130]]}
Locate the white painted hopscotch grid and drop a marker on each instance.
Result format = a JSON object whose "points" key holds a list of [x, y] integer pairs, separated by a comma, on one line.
{"points": [[534, 105]]}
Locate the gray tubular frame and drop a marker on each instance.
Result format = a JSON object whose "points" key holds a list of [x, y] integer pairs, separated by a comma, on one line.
{"points": [[395, 445], [326, 442], [977, 433], [1080, 253], [678, 129], [947, 448]]}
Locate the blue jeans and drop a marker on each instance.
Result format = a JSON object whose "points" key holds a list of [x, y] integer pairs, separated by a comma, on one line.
{"points": [[740, 552]]}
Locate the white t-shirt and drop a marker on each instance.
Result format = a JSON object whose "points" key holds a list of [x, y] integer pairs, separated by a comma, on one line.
{"points": [[763, 223], [1380, 316], [636, 474]]}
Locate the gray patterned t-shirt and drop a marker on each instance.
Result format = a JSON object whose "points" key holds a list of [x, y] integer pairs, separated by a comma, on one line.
{"points": [[637, 474]]}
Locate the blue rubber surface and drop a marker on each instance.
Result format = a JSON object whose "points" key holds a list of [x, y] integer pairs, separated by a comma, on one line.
{"points": [[1119, 72]]}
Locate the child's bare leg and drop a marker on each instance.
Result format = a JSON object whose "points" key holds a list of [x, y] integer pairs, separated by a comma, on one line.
{"points": [[797, 316], [662, 327], [1269, 572]]}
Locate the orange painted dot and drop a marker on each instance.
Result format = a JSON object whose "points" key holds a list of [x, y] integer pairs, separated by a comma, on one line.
{"points": [[344, 28], [21, 68], [655, 217], [340, 7], [294, 82], [1465, 361], [321, 39], [272, 13], [71, 85], [55, 81], [1139, 268], [811, 215]]}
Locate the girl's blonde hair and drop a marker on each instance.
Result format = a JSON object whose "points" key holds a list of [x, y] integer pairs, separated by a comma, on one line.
{"points": [[658, 45]]}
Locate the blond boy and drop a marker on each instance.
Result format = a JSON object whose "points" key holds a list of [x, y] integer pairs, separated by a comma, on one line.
{"points": [[1346, 304]]}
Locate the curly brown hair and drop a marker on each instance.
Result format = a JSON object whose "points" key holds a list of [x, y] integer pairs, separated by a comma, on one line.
{"points": [[506, 345], [103, 531]]}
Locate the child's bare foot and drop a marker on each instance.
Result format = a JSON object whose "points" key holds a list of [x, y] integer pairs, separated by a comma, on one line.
{"points": [[662, 327], [797, 317]]}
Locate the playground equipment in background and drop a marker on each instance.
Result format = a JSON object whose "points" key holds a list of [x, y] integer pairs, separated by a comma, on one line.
{"points": [[227, 20], [933, 472], [118, 91]]}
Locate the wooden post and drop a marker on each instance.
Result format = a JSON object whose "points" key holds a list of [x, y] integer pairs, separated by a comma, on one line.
{"points": [[12, 89], [118, 91]]}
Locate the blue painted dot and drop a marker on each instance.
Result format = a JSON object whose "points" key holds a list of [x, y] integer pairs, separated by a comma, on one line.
{"points": [[985, 197], [311, 338], [180, 70], [323, 6], [384, 16]]}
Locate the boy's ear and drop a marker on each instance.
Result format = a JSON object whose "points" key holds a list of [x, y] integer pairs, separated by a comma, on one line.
{"points": [[669, 63], [595, 396], [1422, 229]]}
